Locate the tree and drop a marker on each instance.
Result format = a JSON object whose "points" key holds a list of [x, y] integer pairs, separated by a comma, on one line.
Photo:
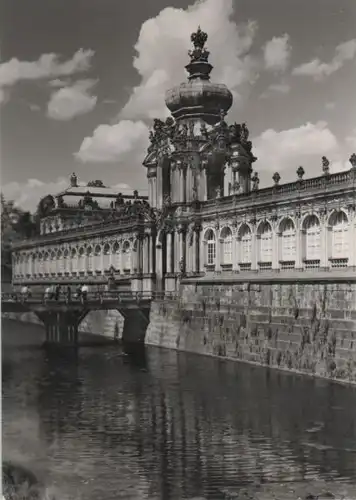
{"points": [[16, 225]]}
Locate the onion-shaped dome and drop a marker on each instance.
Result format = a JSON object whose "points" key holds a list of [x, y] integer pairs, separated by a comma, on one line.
{"points": [[199, 98]]}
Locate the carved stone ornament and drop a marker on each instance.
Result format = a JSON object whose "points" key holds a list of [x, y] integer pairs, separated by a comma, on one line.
{"points": [[255, 182], [353, 160], [300, 172], [276, 178], [325, 165]]}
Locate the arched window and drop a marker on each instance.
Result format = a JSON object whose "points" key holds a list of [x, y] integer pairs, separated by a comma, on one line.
{"points": [[288, 240], [46, 263], [116, 256], [53, 263], [90, 259], [74, 260], [126, 256], [81, 260], [226, 246], [106, 253], [265, 242], [210, 242], [97, 258], [40, 264], [66, 263], [245, 243], [311, 228], [26, 264], [33, 265], [339, 227], [60, 263]]}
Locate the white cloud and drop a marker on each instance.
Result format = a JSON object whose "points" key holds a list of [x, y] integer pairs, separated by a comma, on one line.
{"points": [[162, 49], [285, 150], [276, 88], [27, 194], [351, 140], [277, 53], [71, 101], [319, 70], [58, 83], [47, 66], [115, 142]]}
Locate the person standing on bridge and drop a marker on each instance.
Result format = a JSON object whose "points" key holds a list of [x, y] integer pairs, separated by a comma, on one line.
{"points": [[57, 292], [84, 291], [69, 293]]}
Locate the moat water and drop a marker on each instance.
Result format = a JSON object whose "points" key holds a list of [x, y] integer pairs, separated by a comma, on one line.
{"points": [[165, 425]]}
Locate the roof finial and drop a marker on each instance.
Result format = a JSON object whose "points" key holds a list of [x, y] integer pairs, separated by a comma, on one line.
{"points": [[199, 38], [73, 180], [199, 67]]}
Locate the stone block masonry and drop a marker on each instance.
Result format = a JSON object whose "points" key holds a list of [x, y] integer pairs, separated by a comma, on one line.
{"points": [[307, 328]]}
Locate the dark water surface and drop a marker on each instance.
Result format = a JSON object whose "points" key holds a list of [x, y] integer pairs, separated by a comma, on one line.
{"points": [[166, 425]]}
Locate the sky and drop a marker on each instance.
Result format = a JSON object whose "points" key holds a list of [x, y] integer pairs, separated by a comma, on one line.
{"points": [[82, 80]]}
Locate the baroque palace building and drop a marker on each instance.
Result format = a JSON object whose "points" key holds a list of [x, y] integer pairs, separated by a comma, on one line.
{"points": [[205, 214]]}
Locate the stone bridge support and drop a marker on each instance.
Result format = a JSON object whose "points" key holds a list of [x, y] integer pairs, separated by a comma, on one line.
{"points": [[135, 325], [62, 326]]}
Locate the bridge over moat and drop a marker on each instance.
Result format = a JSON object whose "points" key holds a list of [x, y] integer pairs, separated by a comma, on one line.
{"points": [[63, 316]]}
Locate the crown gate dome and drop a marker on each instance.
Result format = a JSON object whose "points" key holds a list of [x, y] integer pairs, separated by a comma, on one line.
{"points": [[199, 98]]}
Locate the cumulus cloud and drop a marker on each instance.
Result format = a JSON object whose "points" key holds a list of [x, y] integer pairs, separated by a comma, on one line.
{"points": [[113, 142], [276, 88], [283, 151], [26, 195], [277, 53], [319, 70], [71, 101], [162, 49], [47, 66]]}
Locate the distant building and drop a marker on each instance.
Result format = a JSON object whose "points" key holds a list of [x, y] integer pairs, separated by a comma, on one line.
{"points": [[205, 212]]}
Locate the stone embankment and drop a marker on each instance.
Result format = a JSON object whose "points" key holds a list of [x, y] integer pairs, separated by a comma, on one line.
{"points": [[305, 328]]}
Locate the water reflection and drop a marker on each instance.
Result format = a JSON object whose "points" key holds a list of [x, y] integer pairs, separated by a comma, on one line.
{"points": [[164, 425]]}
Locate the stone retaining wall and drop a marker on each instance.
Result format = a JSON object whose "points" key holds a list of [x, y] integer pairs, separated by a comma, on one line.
{"points": [[307, 328]]}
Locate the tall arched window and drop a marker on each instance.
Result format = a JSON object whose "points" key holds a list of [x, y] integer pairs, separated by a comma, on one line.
{"points": [[97, 258], [210, 242], [90, 259], [60, 263], [226, 246], [40, 264], [287, 240], [126, 256], [265, 242], [74, 260], [66, 266], [339, 228], [46, 263], [116, 256], [81, 260], [26, 264], [53, 263], [311, 229], [33, 264], [245, 244], [106, 252]]}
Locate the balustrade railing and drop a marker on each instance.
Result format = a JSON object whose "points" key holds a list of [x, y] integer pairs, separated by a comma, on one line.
{"points": [[121, 296]]}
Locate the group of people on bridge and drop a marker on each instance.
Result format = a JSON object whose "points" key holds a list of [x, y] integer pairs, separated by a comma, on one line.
{"points": [[56, 292]]}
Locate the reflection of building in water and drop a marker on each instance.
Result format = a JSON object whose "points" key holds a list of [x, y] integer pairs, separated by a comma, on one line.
{"points": [[186, 426], [205, 210]]}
